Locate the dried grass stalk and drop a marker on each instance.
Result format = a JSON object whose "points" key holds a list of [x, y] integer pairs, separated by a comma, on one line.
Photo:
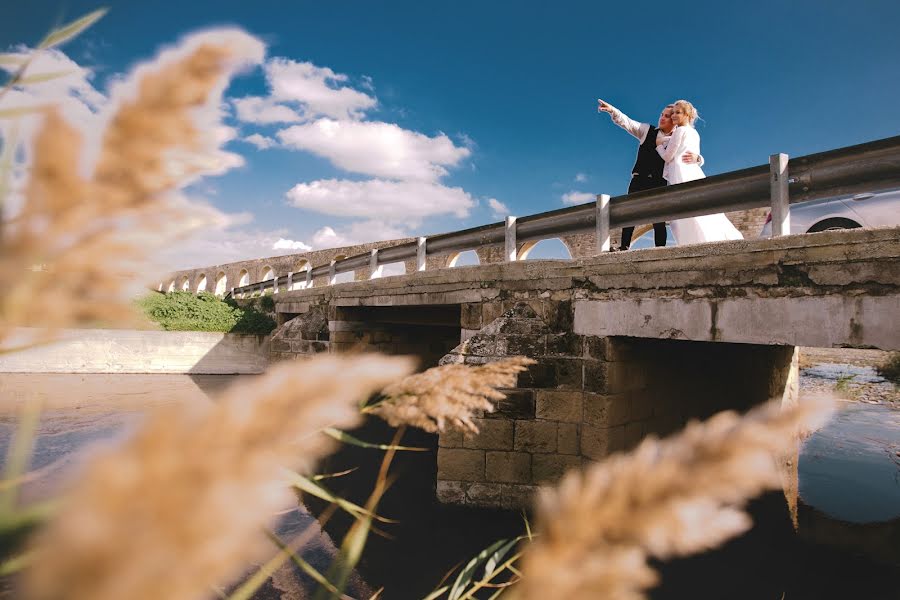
{"points": [[450, 396], [180, 506], [73, 253], [673, 497]]}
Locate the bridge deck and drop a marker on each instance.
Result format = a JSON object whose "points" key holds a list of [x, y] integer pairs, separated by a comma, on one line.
{"points": [[836, 288]]}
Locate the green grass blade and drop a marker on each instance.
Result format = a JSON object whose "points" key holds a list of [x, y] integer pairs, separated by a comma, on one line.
{"points": [[247, 589], [67, 32], [306, 485], [304, 566], [342, 436], [16, 564], [496, 557], [19, 453], [437, 593], [465, 576]]}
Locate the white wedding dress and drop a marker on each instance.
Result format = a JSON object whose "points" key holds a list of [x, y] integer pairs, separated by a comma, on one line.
{"points": [[693, 230]]}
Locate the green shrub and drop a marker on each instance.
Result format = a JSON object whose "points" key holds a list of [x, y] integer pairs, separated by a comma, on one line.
{"points": [[185, 311], [890, 368]]}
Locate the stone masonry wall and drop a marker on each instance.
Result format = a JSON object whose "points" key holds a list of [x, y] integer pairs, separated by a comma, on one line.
{"points": [[586, 398]]}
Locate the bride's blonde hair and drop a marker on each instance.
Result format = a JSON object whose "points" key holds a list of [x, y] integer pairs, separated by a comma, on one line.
{"points": [[688, 109]]}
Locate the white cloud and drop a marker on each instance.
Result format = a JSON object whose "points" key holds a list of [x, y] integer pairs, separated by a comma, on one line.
{"points": [[376, 148], [78, 101], [283, 244], [581, 177], [498, 209], [361, 232], [315, 89], [407, 201], [254, 109], [260, 141], [576, 197]]}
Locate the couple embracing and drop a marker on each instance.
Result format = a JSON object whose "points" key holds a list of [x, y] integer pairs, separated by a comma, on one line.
{"points": [[667, 155]]}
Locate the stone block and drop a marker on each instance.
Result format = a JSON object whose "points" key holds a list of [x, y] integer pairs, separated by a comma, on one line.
{"points": [[535, 436], [610, 349], [559, 316], [599, 442], [494, 434], [490, 311], [460, 465], [568, 372], [606, 410], [596, 375], [508, 467], [634, 433], [345, 337], [479, 345], [564, 344], [518, 404], [567, 438], [381, 337], [483, 494], [521, 345], [521, 326], [553, 405], [548, 468], [451, 492], [515, 496], [280, 346], [540, 375], [470, 316], [641, 404], [451, 439]]}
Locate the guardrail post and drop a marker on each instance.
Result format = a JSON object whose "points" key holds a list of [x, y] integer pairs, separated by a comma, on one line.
{"points": [[510, 239], [374, 269], [332, 274], [232, 293], [275, 291], [308, 276], [781, 208], [290, 281], [602, 220], [420, 254]]}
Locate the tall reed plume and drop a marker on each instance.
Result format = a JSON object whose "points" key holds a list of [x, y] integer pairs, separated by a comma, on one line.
{"points": [[449, 396], [667, 498], [180, 506], [73, 251]]}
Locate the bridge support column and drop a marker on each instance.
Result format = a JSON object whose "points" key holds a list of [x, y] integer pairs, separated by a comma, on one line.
{"points": [[589, 397]]}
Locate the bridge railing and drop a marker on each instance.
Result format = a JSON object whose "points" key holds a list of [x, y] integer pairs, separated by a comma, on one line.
{"points": [[865, 167]]}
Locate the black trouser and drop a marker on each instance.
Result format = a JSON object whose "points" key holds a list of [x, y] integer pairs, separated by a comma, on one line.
{"points": [[640, 184]]}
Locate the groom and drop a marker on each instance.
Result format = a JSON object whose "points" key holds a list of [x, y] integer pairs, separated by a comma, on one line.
{"points": [[646, 173]]}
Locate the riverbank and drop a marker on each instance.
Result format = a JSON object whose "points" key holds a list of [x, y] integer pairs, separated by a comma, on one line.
{"points": [[849, 374]]}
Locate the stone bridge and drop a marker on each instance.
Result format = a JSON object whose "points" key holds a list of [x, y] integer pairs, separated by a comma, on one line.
{"points": [[627, 344]]}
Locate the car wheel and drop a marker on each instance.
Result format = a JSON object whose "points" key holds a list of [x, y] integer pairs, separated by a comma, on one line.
{"points": [[831, 224]]}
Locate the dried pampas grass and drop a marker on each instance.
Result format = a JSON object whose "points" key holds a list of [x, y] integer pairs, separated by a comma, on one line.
{"points": [[450, 396], [75, 250], [180, 507], [678, 496]]}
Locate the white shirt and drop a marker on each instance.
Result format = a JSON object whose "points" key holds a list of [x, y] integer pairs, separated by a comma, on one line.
{"points": [[683, 139], [638, 130]]}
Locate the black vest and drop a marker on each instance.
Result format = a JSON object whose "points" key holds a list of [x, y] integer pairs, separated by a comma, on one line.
{"points": [[649, 164]]}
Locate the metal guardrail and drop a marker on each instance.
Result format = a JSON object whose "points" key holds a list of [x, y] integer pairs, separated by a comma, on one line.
{"points": [[865, 167]]}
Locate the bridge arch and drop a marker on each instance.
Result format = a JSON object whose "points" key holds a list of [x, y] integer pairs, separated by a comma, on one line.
{"points": [[201, 285], [464, 259], [243, 278], [299, 280], [221, 283], [643, 237], [553, 248], [171, 287], [391, 269], [344, 277], [185, 285], [268, 273]]}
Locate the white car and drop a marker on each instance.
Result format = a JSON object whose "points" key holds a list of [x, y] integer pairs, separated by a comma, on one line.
{"points": [[843, 212]]}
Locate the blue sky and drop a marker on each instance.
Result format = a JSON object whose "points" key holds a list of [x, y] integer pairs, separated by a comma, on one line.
{"points": [[437, 112]]}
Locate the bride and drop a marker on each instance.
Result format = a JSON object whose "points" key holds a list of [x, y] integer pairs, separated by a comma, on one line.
{"points": [[706, 228]]}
